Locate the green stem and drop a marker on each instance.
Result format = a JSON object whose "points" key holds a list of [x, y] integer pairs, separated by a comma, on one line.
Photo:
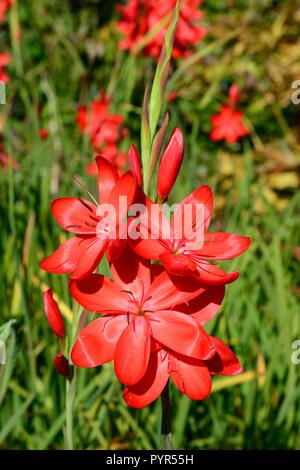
{"points": [[166, 424], [70, 395]]}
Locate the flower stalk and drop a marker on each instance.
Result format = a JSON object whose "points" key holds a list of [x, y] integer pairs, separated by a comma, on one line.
{"points": [[166, 424]]}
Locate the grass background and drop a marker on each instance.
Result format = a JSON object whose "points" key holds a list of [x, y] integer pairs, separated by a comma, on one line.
{"points": [[67, 52]]}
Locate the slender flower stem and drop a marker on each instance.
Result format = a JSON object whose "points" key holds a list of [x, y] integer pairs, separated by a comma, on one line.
{"points": [[166, 425]]}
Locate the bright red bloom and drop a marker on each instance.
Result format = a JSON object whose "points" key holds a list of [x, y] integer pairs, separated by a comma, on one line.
{"points": [[185, 249], [170, 164], [96, 230], [5, 59], [53, 314], [4, 7], [138, 17], [228, 123], [43, 133], [62, 366], [141, 315], [6, 161]]}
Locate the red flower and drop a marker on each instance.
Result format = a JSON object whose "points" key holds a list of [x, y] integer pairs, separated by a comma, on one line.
{"points": [[53, 314], [135, 165], [5, 59], [190, 375], [141, 316], [102, 126], [43, 133], [228, 123], [170, 164], [138, 17], [4, 7], [184, 246], [96, 231]]}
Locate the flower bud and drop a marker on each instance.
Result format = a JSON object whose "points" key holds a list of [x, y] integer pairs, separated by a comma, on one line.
{"points": [[135, 165], [53, 314], [170, 164], [62, 366]]}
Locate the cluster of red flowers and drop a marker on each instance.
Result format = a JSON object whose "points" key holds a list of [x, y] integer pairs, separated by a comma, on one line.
{"points": [[4, 7], [139, 17], [104, 129], [228, 123], [151, 315]]}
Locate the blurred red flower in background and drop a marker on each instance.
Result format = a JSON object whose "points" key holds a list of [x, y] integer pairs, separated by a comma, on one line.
{"points": [[138, 17], [53, 314], [105, 130], [5, 59], [4, 7], [228, 123]]}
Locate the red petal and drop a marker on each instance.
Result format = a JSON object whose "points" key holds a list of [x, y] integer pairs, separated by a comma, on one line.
{"points": [[224, 362], [201, 196], [205, 305], [53, 314], [178, 265], [151, 385], [133, 352], [75, 215], [107, 178], [222, 245], [166, 292], [97, 342], [181, 333], [150, 234], [100, 294], [190, 376]]}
